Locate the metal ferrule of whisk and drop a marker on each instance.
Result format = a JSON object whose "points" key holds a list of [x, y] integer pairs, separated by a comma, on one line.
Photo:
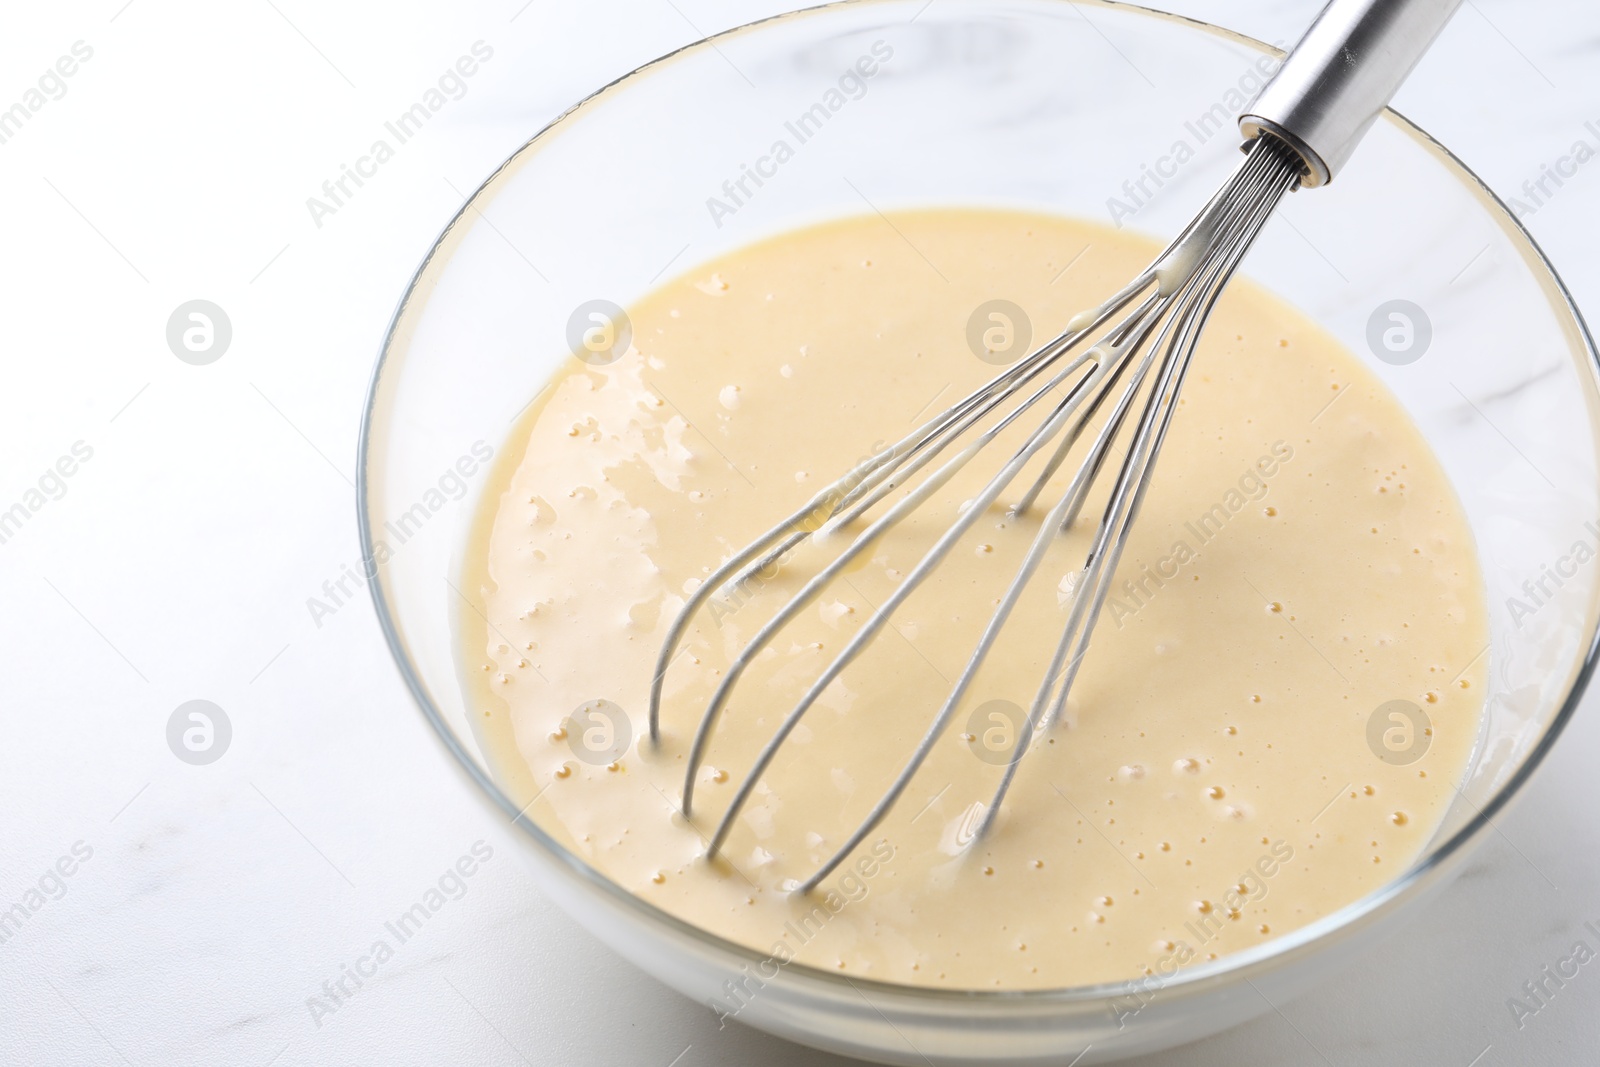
{"points": [[1300, 131]]}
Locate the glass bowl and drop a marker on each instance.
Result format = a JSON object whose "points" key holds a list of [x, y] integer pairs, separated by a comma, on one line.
{"points": [[1077, 108]]}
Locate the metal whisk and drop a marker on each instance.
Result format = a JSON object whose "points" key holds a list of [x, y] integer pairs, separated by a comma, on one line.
{"points": [[1300, 130]]}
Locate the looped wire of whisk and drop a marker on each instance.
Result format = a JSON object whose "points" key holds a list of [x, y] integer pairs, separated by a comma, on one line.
{"points": [[1148, 351]]}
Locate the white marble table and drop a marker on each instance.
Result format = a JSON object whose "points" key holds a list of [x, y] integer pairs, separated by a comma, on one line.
{"points": [[207, 904]]}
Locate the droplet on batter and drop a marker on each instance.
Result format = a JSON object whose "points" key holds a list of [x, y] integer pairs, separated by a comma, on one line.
{"points": [[564, 771], [1187, 766], [1269, 511], [1399, 818], [1215, 792], [558, 734], [658, 877]]}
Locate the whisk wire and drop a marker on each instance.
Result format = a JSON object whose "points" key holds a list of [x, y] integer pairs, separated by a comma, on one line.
{"points": [[1261, 189], [1201, 287], [1160, 333]]}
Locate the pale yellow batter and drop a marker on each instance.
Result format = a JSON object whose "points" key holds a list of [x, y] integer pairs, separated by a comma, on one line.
{"points": [[1300, 561]]}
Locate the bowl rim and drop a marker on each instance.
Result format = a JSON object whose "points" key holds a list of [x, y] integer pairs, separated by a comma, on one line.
{"points": [[1231, 966]]}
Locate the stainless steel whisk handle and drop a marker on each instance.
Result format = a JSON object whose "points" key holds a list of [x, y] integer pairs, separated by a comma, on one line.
{"points": [[1343, 72]]}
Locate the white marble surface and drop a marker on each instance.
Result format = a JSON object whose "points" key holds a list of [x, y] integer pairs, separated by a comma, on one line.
{"points": [[178, 562]]}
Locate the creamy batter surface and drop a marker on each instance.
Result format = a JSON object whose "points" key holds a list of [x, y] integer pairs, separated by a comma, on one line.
{"points": [[1299, 563]]}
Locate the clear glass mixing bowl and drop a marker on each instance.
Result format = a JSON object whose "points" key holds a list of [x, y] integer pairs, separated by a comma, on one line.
{"points": [[1088, 109]]}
